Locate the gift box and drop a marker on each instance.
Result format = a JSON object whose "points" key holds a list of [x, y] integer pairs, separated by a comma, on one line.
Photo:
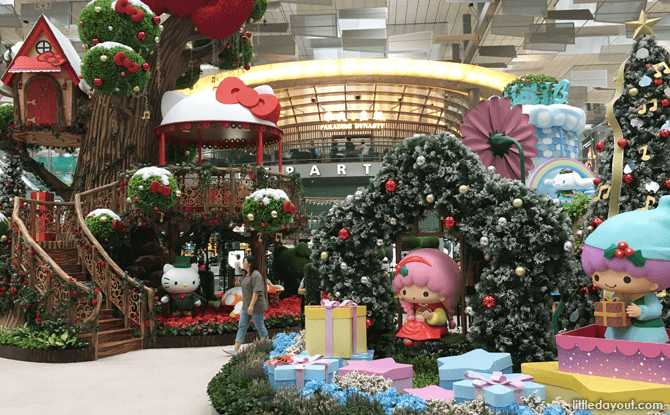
{"points": [[336, 329], [611, 313], [451, 368], [301, 370], [431, 392], [367, 356], [497, 389], [401, 374]]}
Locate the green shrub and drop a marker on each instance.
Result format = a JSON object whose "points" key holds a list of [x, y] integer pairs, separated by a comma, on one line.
{"points": [[430, 242], [289, 265], [98, 228], [26, 337], [6, 116], [529, 79], [426, 371], [188, 79], [576, 208]]}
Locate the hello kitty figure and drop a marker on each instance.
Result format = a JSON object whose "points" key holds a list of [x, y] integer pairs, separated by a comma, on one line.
{"points": [[180, 281]]}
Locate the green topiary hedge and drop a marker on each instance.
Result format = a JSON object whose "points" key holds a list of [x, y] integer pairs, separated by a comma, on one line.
{"points": [[99, 227], [141, 194], [105, 76], [260, 6], [268, 210]]}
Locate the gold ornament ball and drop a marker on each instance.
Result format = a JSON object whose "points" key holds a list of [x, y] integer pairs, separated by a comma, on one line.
{"points": [[430, 198], [386, 274], [103, 58], [487, 257], [187, 153], [3, 238], [520, 271], [273, 213], [98, 9], [162, 27], [463, 189], [129, 200], [178, 193], [633, 92], [324, 255], [136, 88], [104, 219], [517, 203], [250, 217]]}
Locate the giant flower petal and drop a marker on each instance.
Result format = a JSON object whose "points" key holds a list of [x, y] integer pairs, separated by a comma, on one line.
{"points": [[493, 118]]}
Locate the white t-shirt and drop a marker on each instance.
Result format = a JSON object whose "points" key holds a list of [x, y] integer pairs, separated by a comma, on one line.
{"points": [[238, 267], [365, 150]]}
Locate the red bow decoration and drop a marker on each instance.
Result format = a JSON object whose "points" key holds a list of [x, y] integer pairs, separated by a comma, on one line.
{"points": [[51, 58], [264, 106], [159, 188], [120, 59], [118, 226], [123, 6], [288, 207]]}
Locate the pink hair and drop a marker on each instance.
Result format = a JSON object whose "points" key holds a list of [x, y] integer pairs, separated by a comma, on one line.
{"points": [[435, 270]]}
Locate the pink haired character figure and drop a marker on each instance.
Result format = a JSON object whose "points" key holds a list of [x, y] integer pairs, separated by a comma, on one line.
{"points": [[428, 285]]}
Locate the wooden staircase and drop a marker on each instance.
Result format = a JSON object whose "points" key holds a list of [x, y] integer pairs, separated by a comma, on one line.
{"points": [[68, 260], [113, 337]]}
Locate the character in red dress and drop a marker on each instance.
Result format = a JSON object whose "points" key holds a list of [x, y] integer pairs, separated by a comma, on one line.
{"points": [[428, 285]]}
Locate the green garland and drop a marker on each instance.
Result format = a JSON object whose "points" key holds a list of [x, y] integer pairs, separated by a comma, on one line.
{"points": [[118, 81], [141, 196], [97, 17], [99, 229], [188, 79]]}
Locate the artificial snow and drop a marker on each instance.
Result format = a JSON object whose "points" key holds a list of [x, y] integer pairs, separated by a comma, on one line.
{"points": [[135, 3], [109, 45], [68, 49], [158, 172], [99, 212], [267, 193]]}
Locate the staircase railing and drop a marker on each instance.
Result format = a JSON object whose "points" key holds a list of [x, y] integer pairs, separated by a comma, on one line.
{"points": [[50, 220], [120, 290]]}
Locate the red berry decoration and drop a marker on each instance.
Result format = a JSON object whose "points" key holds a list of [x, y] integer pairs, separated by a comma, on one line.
{"points": [[600, 146], [95, 42], [593, 288], [658, 82], [94, 301], [449, 222], [247, 67], [664, 133], [123, 74], [596, 181], [489, 301], [344, 234], [584, 291], [665, 102], [81, 23], [391, 185], [596, 222], [628, 179], [157, 20], [623, 143], [368, 323], [648, 65], [622, 245], [97, 82], [141, 36], [628, 251], [146, 67]]}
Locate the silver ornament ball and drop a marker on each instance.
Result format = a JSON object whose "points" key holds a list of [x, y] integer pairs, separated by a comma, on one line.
{"points": [[568, 246], [463, 189], [420, 161], [484, 241], [430, 198], [343, 266], [380, 242], [337, 294], [491, 169], [393, 221], [365, 280], [502, 221], [250, 217], [273, 213]]}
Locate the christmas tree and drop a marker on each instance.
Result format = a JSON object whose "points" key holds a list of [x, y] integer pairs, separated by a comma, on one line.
{"points": [[11, 184], [632, 164]]}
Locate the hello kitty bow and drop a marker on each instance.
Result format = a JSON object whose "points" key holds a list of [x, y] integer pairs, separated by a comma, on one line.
{"points": [[264, 106], [124, 6], [159, 188]]}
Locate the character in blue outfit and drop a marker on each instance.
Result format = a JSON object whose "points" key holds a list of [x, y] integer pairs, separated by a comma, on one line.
{"points": [[629, 254]]}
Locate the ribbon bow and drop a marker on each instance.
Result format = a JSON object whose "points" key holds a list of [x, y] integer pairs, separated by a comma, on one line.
{"points": [[123, 6], [118, 226], [288, 207], [330, 305], [51, 59], [120, 59], [159, 188], [622, 250], [497, 378], [336, 304], [264, 106]]}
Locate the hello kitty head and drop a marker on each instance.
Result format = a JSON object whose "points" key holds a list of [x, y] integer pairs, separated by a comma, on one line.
{"points": [[180, 278]]}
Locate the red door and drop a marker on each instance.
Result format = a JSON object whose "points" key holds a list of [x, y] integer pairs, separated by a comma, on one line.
{"points": [[41, 97]]}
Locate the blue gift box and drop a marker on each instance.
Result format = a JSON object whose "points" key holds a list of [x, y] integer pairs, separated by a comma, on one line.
{"points": [[284, 376], [368, 356], [496, 396], [452, 368]]}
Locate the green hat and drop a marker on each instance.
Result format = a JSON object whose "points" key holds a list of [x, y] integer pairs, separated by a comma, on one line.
{"points": [[182, 262]]}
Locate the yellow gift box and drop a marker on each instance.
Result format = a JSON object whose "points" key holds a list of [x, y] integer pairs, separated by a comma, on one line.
{"points": [[336, 327]]}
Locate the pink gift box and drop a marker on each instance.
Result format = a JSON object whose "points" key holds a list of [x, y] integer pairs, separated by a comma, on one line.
{"points": [[401, 374], [431, 392]]}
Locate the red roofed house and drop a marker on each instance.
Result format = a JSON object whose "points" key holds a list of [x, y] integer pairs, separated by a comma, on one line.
{"points": [[44, 76]]}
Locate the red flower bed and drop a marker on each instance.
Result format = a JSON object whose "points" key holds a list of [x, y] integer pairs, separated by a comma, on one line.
{"points": [[211, 321]]}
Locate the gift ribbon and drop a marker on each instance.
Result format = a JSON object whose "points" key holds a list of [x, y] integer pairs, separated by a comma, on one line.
{"points": [[300, 363], [480, 383], [617, 161], [330, 305]]}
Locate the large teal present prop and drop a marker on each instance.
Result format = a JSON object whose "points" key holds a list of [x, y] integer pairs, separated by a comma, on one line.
{"points": [[367, 356], [498, 390], [301, 370], [538, 93], [452, 368]]}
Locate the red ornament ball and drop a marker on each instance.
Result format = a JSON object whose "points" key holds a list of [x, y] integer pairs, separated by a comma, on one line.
{"points": [[623, 143], [245, 40], [593, 288], [146, 67], [664, 133], [667, 183], [81, 23], [648, 65], [156, 19], [449, 222], [665, 102], [596, 222], [368, 322], [344, 234], [123, 74], [628, 179], [95, 42], [97, 82], [596, 181], [391, 185], [658, 82], [600, 146], [489, 301], [141, 36], [247, 67]]}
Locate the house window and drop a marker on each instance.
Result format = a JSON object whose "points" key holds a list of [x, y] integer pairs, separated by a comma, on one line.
{"points": [[43, 46]]}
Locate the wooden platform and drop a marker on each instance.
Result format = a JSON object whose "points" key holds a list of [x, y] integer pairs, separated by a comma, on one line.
{"points": [[47, 356]]}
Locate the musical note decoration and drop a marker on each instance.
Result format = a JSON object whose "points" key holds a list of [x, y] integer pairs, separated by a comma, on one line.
{"points": [[279, 238], [658, 73], [606, 189], [643, 150], [653, 108], [146, 115], [650, 202]]}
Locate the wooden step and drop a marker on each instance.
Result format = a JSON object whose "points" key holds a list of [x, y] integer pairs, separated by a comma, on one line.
{"points": [[105, 324], [107, 313], [71, 268], [63, 256], [116, 335], [119, 347]]}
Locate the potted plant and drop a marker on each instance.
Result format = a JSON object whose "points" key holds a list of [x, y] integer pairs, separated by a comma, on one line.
{"points": [[537, 90]]}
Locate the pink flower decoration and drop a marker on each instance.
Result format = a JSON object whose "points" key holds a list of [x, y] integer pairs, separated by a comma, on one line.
{"points": [[496, 118]]}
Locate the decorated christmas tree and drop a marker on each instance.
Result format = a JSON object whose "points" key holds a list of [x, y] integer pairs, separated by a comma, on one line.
{"points": [[11, 185], [632, 162]]}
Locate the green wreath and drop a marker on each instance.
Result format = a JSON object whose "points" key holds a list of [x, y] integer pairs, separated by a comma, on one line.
{"points": [[146, 198], [523, 258]]}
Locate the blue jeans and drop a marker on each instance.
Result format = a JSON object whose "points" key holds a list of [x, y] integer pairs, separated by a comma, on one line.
{"points": [[259, 322]]}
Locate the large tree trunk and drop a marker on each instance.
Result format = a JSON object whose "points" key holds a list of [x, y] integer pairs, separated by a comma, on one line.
{"points": [[117, 136]]}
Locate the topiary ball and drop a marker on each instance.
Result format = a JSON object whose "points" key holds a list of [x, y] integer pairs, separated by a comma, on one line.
{"points": [[272, 200], [153, 189], [118, 21], [257, 13], [4, 224], [99, 227], [114, 69]]}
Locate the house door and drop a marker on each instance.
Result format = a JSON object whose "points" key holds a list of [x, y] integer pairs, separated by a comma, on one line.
{"points": [[41, 102]]}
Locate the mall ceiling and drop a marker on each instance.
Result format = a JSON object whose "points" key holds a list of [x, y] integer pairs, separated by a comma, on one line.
{"points": [[581, 40]]}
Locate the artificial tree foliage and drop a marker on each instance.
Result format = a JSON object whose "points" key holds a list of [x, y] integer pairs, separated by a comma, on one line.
{"points": [[289, 266], [649, 178], [6, 116], [11, 184], [101, 69], [526, 257], [148, 191]]}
